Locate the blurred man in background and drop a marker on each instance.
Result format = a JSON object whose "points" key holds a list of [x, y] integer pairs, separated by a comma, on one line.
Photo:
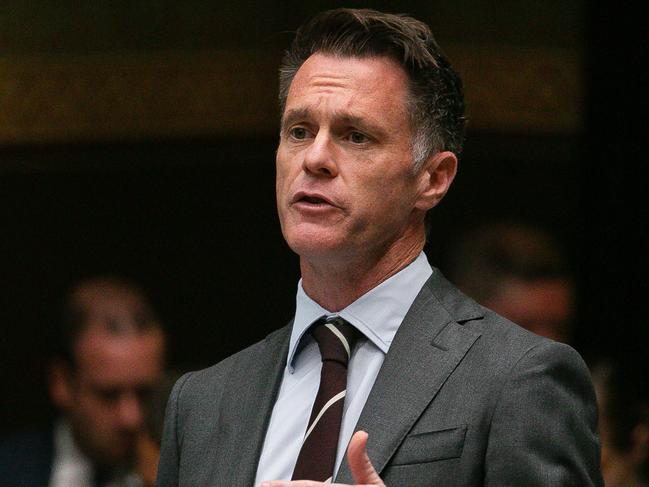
{"points": [[111, 355], [519, 271]]}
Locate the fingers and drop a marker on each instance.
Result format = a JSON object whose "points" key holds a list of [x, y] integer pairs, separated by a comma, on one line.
{"points": [[295, 483], [280, 483], [359, 463], [303, 483]]}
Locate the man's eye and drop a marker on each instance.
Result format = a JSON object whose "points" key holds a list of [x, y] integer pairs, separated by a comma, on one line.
{"points": [[108, 395], [358, 137], [298, 133]]}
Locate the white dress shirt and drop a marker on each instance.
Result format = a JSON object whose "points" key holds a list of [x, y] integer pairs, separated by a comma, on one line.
{"points": [[71, 468], [377, 315]]}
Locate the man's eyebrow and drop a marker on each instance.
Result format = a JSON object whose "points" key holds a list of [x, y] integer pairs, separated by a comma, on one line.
{"points": [[294, 114], [347, 118], [357, 121]]}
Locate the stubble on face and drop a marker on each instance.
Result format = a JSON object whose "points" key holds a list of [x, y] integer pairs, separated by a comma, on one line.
{"points": [[346, 139]]}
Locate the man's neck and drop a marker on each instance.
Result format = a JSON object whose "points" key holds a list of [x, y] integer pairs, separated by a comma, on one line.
{"points": [[336, 283]]}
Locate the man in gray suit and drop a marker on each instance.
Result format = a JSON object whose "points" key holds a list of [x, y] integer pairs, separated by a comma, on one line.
{"points": [[439, 390]]}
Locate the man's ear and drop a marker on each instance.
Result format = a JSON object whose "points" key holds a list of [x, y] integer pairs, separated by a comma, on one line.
{"points": [[60, 383], [435, 178]]}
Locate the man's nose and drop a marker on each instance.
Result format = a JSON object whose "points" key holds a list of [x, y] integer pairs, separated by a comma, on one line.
{"points": [[130, 411], [319, 157]]}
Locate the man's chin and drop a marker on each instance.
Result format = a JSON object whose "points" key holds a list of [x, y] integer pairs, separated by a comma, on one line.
{"points": [[315, 246], [121, 459]]}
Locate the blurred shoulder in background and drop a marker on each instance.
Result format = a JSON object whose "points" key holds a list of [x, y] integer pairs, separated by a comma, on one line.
{"points": [[622, 389], [519, 271]]}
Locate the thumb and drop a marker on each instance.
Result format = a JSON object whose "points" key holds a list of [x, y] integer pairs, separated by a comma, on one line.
{"points": [[359, 463]]}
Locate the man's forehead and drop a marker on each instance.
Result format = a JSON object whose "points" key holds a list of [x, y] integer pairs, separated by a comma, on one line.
{"points": [[105, 295], [97, 348], [118, 307], [332, 60], [322, 70], [353, 89]]}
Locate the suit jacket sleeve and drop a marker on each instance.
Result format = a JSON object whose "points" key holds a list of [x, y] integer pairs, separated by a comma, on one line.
{"points": [[169, 454], [544, 427]]}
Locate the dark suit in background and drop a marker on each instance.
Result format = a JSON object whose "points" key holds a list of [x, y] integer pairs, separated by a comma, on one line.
{"points": [[26, 458]]}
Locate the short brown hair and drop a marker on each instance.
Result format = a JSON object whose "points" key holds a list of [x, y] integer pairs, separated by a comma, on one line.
{"points": [[436, 96], [75, 313], [489, 254]]}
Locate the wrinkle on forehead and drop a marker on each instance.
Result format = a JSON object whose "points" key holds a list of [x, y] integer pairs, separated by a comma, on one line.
{"points": [[329, 82], [353, 91], [325, 70], [331, 78]]}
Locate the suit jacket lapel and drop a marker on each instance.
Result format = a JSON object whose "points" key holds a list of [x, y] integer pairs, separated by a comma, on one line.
{"points": [[429, 345], [251, 393]]}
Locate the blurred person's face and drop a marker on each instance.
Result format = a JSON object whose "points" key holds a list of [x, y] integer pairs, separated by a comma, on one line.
{"points": [[102, 395], [543, 306]]}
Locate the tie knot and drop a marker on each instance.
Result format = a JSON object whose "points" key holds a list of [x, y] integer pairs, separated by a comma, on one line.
{"points": [[335, 338]]}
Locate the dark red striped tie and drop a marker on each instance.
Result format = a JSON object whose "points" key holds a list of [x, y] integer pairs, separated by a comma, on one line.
{"points": [[317, 457]]}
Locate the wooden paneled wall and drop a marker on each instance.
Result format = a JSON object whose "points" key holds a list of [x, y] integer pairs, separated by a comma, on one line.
{"points": [[69, 98]]}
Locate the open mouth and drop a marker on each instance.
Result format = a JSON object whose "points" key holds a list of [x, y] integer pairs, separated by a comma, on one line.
{"points": [[313, 200]]}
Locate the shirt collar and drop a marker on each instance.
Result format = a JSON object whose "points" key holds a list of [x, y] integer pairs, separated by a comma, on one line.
{"points": [[69, 461], [377, 314]]}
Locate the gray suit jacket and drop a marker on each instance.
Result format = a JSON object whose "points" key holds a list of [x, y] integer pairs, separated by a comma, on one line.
{"points": [[464, 398]]}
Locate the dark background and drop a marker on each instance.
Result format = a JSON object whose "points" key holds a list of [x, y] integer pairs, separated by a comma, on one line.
{"points": [[192, 215]]}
